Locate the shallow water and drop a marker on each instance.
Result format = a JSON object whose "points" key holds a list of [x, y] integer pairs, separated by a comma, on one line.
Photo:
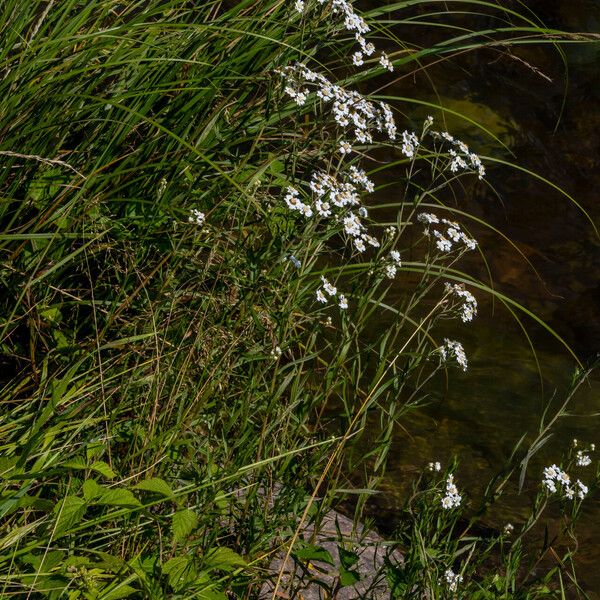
{"points": [[483, 413]]}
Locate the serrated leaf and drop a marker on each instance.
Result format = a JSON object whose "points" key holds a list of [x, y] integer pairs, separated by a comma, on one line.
{"points": [[103, 468], [311, 552], [347, 558], [122, 591], [184, 522], [91, 489], [118, 497], [223, 559], [180, 571], [156, 485], [69, 513]]}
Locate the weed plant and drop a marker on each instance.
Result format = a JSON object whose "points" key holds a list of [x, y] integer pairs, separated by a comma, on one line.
{"points": [[191, 287]]}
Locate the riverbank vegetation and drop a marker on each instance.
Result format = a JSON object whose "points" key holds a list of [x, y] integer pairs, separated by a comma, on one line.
{"points": [[193, 264]]}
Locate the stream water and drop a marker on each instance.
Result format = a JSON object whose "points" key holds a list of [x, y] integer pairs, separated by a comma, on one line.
{"points": [[520, 97]]}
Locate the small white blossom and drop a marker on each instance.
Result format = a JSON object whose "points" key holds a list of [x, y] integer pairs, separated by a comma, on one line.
{"points": [[329, 289], [452, 579], [299, 6], [453, 349], [435, 466], [357, 59], [452, 499], [343, 302], [345, 147], [196, 217], [583, 460], [508, 528], [321, 296], [385, 62]]}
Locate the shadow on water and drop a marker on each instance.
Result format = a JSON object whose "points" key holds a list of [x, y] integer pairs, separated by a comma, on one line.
{"points": [[518, 96]]}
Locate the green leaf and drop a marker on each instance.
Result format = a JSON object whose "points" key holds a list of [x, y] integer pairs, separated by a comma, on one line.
{"points": [[121, 591], [118, 497], [101, 467], [223, 559], [184, 522], [180, 571], [69, 513], [311, 552], [156, 485], [91, 489], [348, 577]]}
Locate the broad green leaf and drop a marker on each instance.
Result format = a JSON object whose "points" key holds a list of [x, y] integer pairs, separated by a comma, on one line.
{"points": [[184, 522], [69, 513], [156, 485], [311, 552], [122, 591], [223, 559], [180, 570], [103, 468], [91, 489], [118, 497]]}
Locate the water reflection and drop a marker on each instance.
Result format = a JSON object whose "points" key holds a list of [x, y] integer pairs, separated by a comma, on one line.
{"points": [[484, 413]]}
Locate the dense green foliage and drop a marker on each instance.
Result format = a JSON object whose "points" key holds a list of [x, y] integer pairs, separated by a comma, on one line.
{"points": [[173, 399]]}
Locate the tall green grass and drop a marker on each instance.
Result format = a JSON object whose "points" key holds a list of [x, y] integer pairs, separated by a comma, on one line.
{"points": [[173, 399]]}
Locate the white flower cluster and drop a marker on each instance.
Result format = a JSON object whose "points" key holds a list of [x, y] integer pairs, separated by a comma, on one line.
{"points": [[435, 466], [393, 263], [356, 24], [452, 499], [330, 194], [583, 460], [292, 199], [276, 352], [410, 143], [196, 217], [453, 235], [453, 349], [327, 289], [351, 110], [461, 157], [468, 308], [452, 579], [553, 475], [508, 529]]}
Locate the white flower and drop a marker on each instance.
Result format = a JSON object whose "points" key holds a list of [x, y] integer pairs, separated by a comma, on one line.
{"points": [[452, 499], [276, 352], [435, 466], [357, 59], [321, 296], [359, 244], [390, 271], [583, 460], [299, 6], [410, 143], [343, 302], [468, 308], [329, 289], [583, 490], [453, 349], [508, 528], [385, 62], [352, 225], [395, 257], [323, 208], [551, 472], [452, 579], [345, 147], [549, 483], [427, 218], [196, 217]]}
